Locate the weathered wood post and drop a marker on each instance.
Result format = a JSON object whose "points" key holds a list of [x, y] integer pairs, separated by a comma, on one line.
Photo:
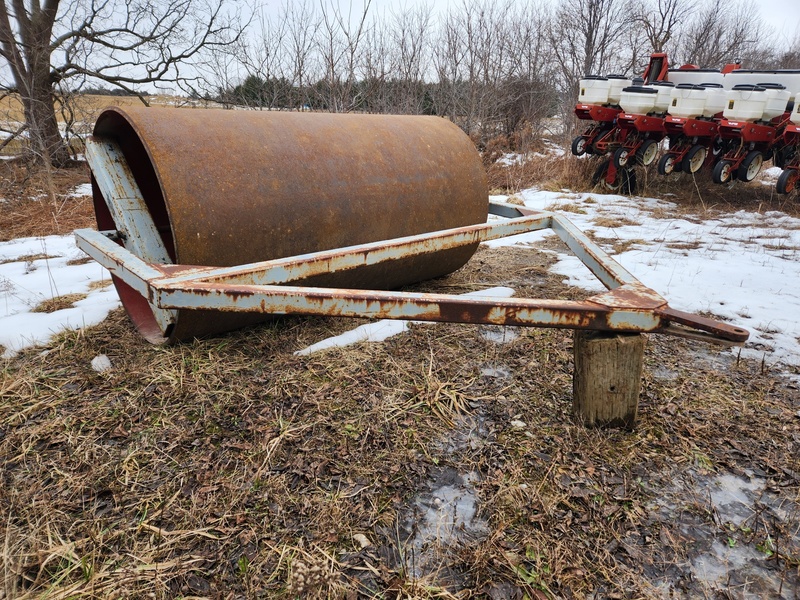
{"points": [[607, 377]]}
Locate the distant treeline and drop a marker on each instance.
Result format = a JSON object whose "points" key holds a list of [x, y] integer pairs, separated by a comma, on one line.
{"points": [[494, 67], [513, 102], [102, 91]]}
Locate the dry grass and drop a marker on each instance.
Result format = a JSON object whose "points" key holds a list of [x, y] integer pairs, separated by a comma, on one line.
{"points": [[35, 204], [58, 303], [612, 222], [82, 113], [695, 194], [546, 172], [232, 467], [12, 111]]}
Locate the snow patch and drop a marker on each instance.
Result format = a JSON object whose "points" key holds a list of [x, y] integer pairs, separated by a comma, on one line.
{"points": [[33, 270], [84, 189], [386, 328], [742, 267]]}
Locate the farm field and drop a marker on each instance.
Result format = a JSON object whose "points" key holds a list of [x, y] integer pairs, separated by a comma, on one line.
{"points": [[439, 462], [82, 112]]}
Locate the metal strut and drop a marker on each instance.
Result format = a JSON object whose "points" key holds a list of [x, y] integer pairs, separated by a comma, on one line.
{"points": [[135, 255]]}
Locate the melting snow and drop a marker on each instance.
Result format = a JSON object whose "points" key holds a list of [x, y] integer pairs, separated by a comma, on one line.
{"points": [[742, 267], [33, 270]]}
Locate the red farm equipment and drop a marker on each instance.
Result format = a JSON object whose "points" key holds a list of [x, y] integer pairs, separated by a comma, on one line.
{"points": [[729, 121], [789, 154], [692, 127], [642, 121], [599, 101], [752, 129]]}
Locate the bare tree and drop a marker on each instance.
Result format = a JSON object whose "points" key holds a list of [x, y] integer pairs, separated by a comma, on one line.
{"points": [[448, 59], [46, 44], [789, 55], [587, 36], [302, 27], [660, 20], [340, 48], [720, 32], [410, 31], [527, 93]]}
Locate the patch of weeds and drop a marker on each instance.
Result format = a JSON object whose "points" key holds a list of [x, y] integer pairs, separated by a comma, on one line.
{"points": [[80, 261], [567, 207], [99, 285], [613, 223], [58, 303], [702, 460], [27, 258], [766, 547], [241, 566], [684, 245]]}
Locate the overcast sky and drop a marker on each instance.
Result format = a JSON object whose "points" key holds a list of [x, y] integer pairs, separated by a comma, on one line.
{"points": [[781, 16]]}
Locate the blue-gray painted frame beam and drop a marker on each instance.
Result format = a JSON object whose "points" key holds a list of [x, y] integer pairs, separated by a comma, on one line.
{"points": [[128, 209]]}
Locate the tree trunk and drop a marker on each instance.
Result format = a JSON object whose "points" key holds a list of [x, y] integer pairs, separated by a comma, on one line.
{"points": [[25, 46], [46, 142]]}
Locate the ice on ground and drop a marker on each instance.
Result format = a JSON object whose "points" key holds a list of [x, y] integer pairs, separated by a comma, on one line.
{"points": [[445, 513], [739, 559], [499, 334], [33, 270]]}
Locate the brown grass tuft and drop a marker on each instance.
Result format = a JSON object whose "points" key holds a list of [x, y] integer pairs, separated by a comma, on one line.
{"points": [[58, 303], [35, 205]]}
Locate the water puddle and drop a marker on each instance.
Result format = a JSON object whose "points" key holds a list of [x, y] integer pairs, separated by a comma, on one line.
{"points": [[499, 334], [498, 372], [733, 497], [443, 517], [711, 357], [440, 520], [728, 531], [663, 373]]}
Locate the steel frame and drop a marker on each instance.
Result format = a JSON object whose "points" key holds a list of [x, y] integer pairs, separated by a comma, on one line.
{"points": [[135, 254]]}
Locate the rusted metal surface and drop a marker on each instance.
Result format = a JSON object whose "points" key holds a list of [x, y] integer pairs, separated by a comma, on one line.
{"points": [[180, 276], [287, 300], [716, 328], [135, 227], [302, 267], [629, 307], [610, 273], [227, 188]]}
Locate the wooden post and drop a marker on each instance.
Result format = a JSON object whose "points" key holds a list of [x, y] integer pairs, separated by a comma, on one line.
{"points": [[607, 378]]}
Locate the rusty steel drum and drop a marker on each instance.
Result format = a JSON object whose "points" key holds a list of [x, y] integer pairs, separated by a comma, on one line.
{"points": [[231, 187]]}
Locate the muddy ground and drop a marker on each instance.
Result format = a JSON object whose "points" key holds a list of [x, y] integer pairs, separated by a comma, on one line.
{"points": [[441, 463]]}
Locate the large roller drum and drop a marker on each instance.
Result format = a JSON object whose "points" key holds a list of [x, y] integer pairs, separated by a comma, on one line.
{"points": [[233, 187]]}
